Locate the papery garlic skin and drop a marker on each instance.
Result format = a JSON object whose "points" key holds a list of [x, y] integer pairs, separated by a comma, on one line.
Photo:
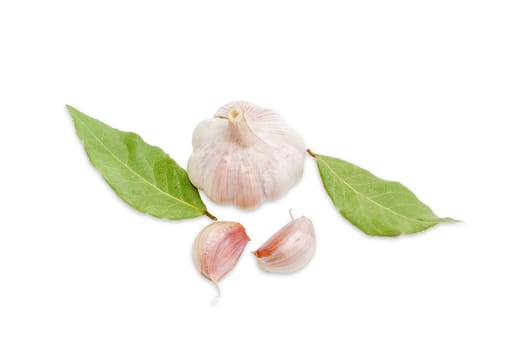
{"points": [[245, 155], [288, 250], [218, 247]]}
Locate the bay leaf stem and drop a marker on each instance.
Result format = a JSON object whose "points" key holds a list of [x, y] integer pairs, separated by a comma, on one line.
{"points": [[211, 216], [312, 154]]}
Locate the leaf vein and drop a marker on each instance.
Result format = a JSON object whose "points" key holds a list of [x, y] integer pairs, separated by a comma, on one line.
{"points": [[342, 180], [134, 172]]}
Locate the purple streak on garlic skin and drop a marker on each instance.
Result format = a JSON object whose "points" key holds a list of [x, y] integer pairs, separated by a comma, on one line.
{"points": [[218, 247], [288, 250], [245, 156]]}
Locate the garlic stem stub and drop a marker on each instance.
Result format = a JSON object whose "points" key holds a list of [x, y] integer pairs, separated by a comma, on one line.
{"points": [[245, 156], [218, 247], [288, 250]]}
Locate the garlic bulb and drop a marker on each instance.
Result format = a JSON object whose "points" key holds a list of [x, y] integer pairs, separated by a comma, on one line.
{"points": [[218, 247], [245, 155], [288, 250]]}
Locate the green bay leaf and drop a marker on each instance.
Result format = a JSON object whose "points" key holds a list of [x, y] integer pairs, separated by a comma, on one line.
{"points": [[142, 175], [376, 206]]}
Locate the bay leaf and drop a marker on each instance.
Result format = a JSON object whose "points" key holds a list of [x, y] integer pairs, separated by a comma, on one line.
{"points": [[142, 175], [376, 206]]}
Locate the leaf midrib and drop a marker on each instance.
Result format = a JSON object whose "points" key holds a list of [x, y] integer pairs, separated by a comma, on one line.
{"points": [[133, 172], [369, 199]]}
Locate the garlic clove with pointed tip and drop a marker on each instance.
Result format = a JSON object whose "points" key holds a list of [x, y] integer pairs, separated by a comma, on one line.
{"points": [[288, 250], [218, 247], [245, 156]]}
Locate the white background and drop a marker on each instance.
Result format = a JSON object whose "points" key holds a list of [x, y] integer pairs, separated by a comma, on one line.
{"points": [[427, 93]]}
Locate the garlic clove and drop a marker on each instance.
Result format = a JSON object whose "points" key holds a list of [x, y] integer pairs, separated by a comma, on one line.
{"points": [[288, 250], [218, 247], [245, 156]]}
